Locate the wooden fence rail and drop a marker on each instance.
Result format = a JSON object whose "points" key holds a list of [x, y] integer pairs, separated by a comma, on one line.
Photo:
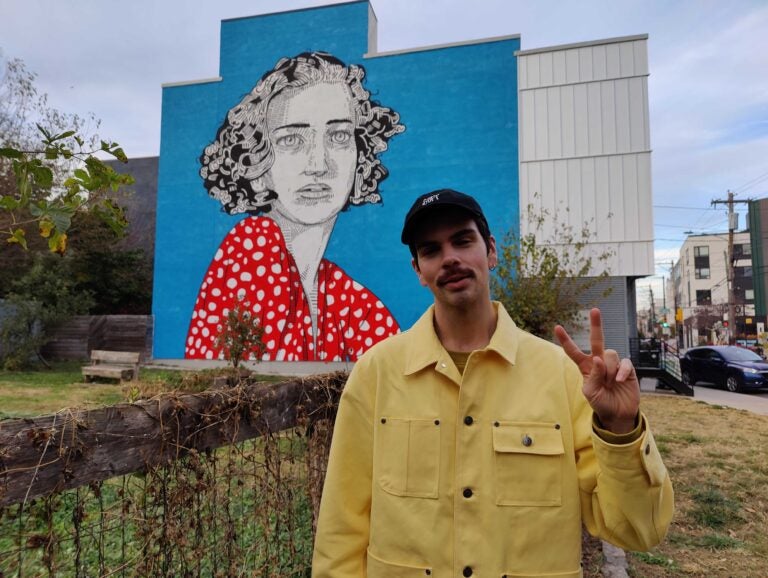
{"points": [[72, 448]]}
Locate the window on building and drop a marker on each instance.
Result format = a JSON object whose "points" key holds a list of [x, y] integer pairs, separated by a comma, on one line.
{"points": [[749, 294], [702, 273], [704, 297], [742, 251], [742, 271], [701, 261]]}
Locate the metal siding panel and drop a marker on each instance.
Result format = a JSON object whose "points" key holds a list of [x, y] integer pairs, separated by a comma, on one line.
{"points": [[528, 116], [533, 71], [616, 201], [581, 119], [641, 57], [646, 115], [595, 114], [613, 61], [626, 59], [574, 192], [637, 117], [586, 64], [608, 116], [540, 124], [622, 116], [558, 67], [599, 63], [554, 124], [547, 196], [631, 209], [568, 121], [522, 72], [545, 68], [602, 201], [615, 313], [589, 192], [572, 69], [645, 196], [561, 194]]}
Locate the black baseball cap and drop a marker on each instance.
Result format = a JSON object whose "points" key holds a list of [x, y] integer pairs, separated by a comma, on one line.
{"points": [[440, 198]]}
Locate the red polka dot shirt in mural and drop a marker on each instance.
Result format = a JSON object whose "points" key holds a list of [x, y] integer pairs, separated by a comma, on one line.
{"points": [[253, 264]]}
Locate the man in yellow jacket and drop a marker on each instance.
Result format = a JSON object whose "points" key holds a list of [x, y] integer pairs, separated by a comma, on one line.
{"points": [[468, 447]]}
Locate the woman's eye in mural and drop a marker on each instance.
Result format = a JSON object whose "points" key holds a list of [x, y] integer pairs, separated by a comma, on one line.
{"points": [[289, 142], [340, 137]]}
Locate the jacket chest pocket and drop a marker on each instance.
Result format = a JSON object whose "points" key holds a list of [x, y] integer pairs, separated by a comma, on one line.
{"points": [[408, 456], [528, 464]]}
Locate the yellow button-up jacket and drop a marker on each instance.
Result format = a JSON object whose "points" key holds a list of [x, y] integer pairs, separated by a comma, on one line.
{"points": [[488, 474]]}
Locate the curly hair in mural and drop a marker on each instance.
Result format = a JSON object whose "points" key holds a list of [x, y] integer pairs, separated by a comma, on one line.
{"points": [[301, 147], [233, 165]]}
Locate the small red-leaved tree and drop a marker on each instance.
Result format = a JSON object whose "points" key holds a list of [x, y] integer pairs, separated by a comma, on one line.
{"points": [[240, 336]]}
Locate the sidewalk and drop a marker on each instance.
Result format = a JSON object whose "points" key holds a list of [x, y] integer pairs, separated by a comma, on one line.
{"points": [[750, 402]]}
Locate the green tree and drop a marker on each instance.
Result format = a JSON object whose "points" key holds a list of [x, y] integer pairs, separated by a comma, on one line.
{"points": [[39, 302], [544, 283], [48, 171]]}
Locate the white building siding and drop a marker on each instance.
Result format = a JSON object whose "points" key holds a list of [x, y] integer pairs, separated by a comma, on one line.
{"points": [[585, 145]]}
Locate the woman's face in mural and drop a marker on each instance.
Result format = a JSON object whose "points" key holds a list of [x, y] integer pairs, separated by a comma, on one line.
{"points": [[312, 134]]}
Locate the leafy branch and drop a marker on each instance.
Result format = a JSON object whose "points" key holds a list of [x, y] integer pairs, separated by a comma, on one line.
{"points": [[40, 198]]}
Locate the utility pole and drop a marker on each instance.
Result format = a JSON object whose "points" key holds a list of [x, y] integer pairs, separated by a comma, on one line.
{"points": [[733, 224]]}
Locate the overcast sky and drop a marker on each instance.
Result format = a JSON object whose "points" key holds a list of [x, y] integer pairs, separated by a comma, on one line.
{"points": [[708, 86]]}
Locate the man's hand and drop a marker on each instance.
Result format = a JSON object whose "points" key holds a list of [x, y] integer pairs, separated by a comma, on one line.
{"points": [[610, 386]]}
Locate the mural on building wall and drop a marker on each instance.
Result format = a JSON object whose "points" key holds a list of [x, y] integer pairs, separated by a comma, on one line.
{"points": [[300, 148]]}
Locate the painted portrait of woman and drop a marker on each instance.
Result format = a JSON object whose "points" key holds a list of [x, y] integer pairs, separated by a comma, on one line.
{"points": [[300, 148]]}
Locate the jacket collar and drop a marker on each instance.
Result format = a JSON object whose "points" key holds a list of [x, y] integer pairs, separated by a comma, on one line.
{"points": [[428, 351]]}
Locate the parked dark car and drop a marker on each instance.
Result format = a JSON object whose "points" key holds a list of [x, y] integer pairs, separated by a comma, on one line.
{"points": [[735, 368]]}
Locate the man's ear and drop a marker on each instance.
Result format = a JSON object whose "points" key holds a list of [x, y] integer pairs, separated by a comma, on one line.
{"points": [[415, 265], [493, 257]]}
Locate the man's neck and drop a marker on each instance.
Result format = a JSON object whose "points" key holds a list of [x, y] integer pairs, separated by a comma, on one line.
{"points": [[465, 329]]}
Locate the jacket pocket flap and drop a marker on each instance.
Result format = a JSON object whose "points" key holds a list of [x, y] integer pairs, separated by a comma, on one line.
{"points": [[528, 438], [378, 568]]}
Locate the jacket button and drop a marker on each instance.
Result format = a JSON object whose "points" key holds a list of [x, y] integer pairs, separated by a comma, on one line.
{"points": [[467, 493], [467, 571], [428, 572], [647, 449], [468, 420], [527, 441]]}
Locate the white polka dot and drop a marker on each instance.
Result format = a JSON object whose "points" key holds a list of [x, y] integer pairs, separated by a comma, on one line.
{"points": [[358, 313], [329, 338], [330, 300], [260, 294], [307, 319], [271, 315], [268, 329], [219, 273], [260, 270], [190, 340], [248, 244], [337, 275], [379, 331], [280, 324], [261, 240], [235, 267], [209, 355], [271, 344], [219, 255], [344, 311], [276, 268], [198, 341], [321, 287], [379, 305], [257, 308], [389, 321], [241, 293], [213, 319], [277, 290], [281, 308], [212, 307], [258, 256], [216, 292], [245, 276], [365, 326], [287, 339], [206, 332], [368, 341], [349, 333], [280, 354]]}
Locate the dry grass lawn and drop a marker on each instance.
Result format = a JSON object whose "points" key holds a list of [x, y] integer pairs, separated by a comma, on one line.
{"points": [[718, 461]]}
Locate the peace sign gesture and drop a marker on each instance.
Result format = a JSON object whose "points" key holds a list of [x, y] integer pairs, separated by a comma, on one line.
{"points": [[610, 386]]}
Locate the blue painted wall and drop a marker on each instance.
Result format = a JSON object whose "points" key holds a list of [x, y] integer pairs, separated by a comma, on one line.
{"points": [[459, 106]]}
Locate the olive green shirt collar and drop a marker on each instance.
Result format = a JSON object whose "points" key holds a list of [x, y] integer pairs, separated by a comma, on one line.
{"points": [[430, 352]]}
